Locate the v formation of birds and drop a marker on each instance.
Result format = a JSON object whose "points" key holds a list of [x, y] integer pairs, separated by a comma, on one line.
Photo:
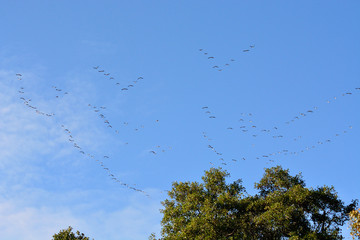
{"points": [[245, 126]]}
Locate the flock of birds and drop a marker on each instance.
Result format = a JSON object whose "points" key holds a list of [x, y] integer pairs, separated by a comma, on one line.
{"points": [[221, 66], [245, 126], [59, 93], [123, 88], [27, 101], [100, 162], [248, 127], [101, 115]]}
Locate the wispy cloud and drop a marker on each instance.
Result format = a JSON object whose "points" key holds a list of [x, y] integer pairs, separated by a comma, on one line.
{"points": [[31, 145], [32, 223], [32, 215]]}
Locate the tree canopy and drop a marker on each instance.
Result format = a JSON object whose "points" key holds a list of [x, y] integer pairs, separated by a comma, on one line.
{"points": [[283, 209], [67, 234]]}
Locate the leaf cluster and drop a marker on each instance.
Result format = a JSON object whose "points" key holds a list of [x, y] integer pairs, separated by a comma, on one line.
{"points": [[67, 234]]}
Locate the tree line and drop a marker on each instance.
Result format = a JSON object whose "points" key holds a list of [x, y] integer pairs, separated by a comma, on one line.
{"points": [[283, 208]]}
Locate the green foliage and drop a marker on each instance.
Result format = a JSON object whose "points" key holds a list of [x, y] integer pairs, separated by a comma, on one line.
{"points": [[67, 234], [283, 209], [210, 210], [152, 236]]}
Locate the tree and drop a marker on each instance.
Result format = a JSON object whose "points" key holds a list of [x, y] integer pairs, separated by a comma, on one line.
{"points": [[288, 209], [283, 209], [67, 234], [355, 223], [211, 210]]}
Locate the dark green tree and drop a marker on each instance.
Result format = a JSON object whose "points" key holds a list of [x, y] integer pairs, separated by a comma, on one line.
{"points": [[283, 209], [209, 210], [67, 234]]}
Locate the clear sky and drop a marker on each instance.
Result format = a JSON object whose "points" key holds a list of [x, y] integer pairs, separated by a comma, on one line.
{"points": [[290, 100]]}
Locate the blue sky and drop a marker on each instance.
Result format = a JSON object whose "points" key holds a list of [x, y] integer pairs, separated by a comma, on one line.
{"points": [[306, 57]]}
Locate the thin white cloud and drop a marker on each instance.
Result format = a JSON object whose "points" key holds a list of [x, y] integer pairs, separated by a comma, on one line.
{"points": [[32, 215], [32, 223], [30, 143]]}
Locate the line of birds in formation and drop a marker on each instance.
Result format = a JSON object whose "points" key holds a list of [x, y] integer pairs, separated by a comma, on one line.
{"points": [[255, 131], [276, 128], [100, 162], [250, 127], [107, 74], [102, 116], [94, 108], [27, 101], [269, 156], [221, 67], [60, 93], [158, 148], [245, 128], [154, 151]]}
